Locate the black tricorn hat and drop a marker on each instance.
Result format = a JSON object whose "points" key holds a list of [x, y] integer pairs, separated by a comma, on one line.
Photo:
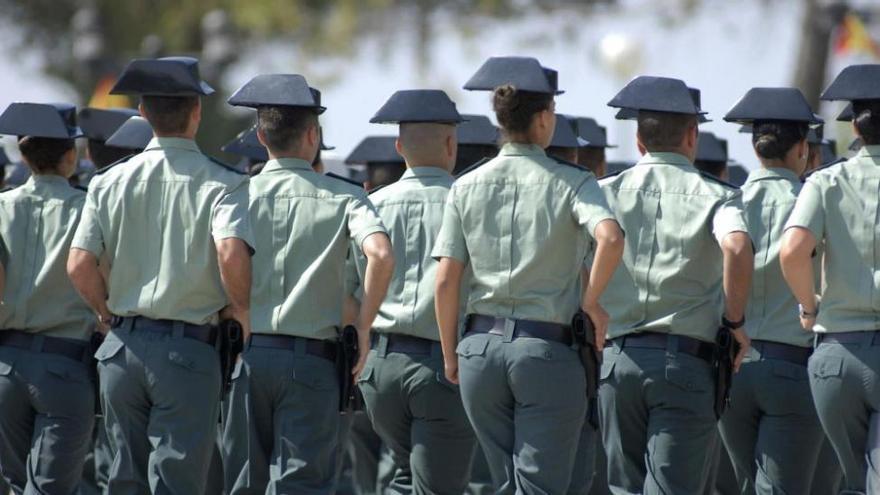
{"points": [[787, 104], [134, 134], [247, 145], [375, 149], [477, 130], [847, 114], [856, 82], [592, 134], [629, 114], [168, 76], [100, 123], [656, 94], [564, 135], [711, 148], [523, 73], [289, 90], [49, 120], [412, 106]]}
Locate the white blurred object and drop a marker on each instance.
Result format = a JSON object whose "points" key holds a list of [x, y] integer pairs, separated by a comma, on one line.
{"points": [[621, 54]]}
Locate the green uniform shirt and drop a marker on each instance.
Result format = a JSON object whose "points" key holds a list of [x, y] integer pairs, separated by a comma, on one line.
{"points": [[839, 205], [674, 219], [37, 223], [412, 210], [772, 312], [302, 224], [156, 216], [522, 221]]}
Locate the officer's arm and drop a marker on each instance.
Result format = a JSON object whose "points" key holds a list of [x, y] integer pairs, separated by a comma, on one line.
{"points": [[609, 251], [234, 259], [795, 256], [739, 262], [82, 268], [2, 281], [447, 291], [377, 275]]}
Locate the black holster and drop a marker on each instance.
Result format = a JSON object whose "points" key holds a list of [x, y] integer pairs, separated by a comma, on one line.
{"points": [[722, 364], [350, 398], [95, 342], [230, 344], [584, 334]]}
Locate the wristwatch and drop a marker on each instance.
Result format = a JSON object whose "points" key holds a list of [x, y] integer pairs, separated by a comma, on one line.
{"points": [[808, 314], [733, 325]]}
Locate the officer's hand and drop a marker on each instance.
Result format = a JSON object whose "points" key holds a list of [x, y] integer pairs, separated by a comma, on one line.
{"points": [[807, 322], [362, 361], [600, 320], [450, 369], [744, 344]]}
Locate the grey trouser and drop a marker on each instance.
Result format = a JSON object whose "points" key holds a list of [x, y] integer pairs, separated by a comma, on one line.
{"points": [[526, 400], [281, 423], [160, 393], [657, 419], [48, 412], [770, 429], [846, 392], [420, 417]]}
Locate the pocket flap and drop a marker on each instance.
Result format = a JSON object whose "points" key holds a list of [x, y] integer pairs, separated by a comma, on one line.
{"points": [[826, 366], [63, 370], [366, 373], [236, 370], [791, 371], [472, 346], [181, 360], [606, 369], [108, 349]]}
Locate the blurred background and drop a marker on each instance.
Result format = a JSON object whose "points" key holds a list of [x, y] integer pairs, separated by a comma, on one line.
{"points": [[359, 51]]}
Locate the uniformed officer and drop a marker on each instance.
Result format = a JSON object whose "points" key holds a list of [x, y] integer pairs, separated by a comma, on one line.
{"points": [[281, 422], [415, 411], [379, 155], [98, 125], [522, 383], [156, 217], [565, 142], [711, 156], [477, 140], [770, 429], [248, 147], [46, 379], [686, 244], [591, 153], [133, 135], [838, 208]]}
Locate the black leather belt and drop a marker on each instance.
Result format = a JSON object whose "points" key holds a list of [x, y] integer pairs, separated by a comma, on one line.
{"points": [[521, 328], [653, 340], [203, 333], [326, 349], [850, 337], [782, 352], [51, 345], [404, 344]]}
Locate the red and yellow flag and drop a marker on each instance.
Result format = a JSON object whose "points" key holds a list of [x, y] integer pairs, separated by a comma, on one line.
{"points": [[853, 38], [101, 97]]}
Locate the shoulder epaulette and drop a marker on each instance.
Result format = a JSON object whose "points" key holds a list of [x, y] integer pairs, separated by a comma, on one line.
{"points": [[117, 162], [376, 189], [344, 179], [566, 162], [613, 174], [823, 167], [473, 167], [712, 178], [225, 165]]}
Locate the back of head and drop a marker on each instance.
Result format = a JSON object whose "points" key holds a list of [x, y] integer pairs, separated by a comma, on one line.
{"points": [[283, 128], [664, 131], [867, 120], [711, 167], [470, 154], [383, 174], [169, 115], [515, 109], [44, 155], [593, 159], [773, 139], [564, 153], [103, 155], [426, 143]]}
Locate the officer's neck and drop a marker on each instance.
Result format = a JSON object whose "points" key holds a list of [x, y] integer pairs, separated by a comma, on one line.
{"points": [[432, 164], [177, 135]]}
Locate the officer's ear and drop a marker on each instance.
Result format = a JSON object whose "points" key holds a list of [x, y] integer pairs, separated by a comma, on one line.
{"points": [[398, 146], [261, 137]]}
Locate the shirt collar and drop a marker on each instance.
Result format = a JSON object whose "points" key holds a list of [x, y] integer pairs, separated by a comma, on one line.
{"points": [[172, 142], [665, 158], [48, 179], [771, 174], [287, 163], [869, 150], [521, 149], [416, 172]]}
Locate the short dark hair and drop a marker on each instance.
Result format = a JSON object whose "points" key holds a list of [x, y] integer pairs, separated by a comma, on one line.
{"points": [[514, 109], [772, 139], [710, 167], [664, 131], [384, 173], [103, 155], [168, 114], [867, 120], [283, 127], [563, 153], [591, 157], [44, 154]]}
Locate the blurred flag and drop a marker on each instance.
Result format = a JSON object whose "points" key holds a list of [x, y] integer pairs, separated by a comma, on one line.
{"points": [[101, 97], [853, 38]]}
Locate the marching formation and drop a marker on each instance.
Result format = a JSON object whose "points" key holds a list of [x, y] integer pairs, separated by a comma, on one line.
{"points": [[526, 313]]}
